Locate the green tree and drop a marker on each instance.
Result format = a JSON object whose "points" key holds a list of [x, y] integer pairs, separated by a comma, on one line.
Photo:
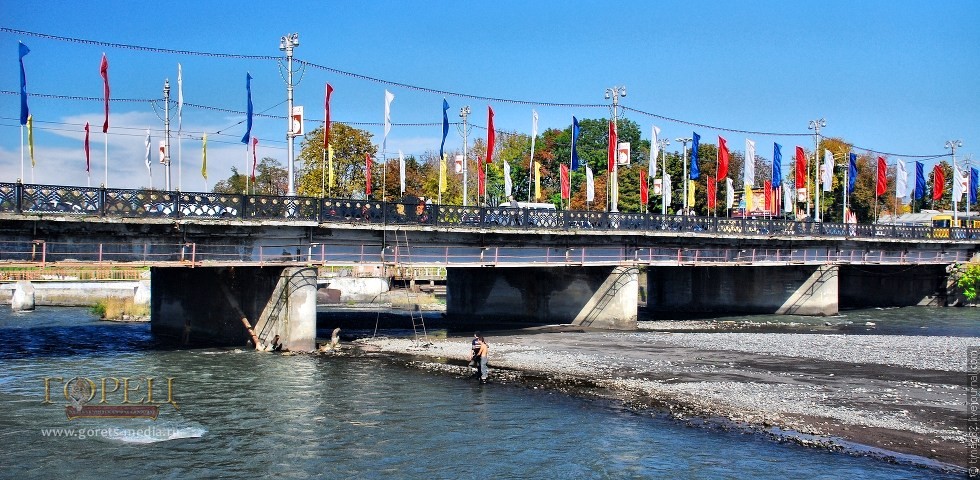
{"points": [[350, 146], [270, 179]]}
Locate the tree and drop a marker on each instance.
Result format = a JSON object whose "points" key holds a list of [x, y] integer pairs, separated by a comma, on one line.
{"points": [[350, 146], [270, 179]]}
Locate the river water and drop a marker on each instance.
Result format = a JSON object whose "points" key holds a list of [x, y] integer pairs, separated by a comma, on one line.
{"points": [[246, 414]]}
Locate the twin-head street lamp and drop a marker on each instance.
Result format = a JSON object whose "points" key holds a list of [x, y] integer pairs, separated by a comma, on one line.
{"points": [[287, 43], [614, 93], [662, 144], [815, 126], [684, 141], [464, 112]]}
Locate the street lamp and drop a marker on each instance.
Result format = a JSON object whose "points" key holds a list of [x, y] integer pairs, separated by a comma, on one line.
{"points": [[464, 112], [684, 142], [287, 43], [662, 144], [614, 93], [815, 126], [952, 145]]}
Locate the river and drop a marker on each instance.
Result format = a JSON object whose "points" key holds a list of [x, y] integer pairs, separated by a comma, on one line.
{"points": [[245, 414]]}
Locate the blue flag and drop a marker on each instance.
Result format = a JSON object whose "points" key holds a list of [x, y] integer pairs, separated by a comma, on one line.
{"points": [[574, 140], [445, 127], [920, 181], [777, 165], [248, 121], [852, 172], [695, 173], [24, 112], [974, 185]]}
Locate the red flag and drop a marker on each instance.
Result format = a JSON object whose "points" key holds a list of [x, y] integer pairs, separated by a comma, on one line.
{"points": [[255, 163], [565, 184], [800, 168], [326, 118], [104, 69], [644, 188], [768, 195], [722, 158], [613, 141], [711, 193], [938, 182], [491, 136], [882, 184], [88, 157], [482, 184], [367, 174]]}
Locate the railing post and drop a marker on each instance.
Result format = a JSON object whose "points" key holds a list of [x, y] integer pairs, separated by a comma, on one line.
{"points": [[100, 252], [102, 197], [241, 213], [44, 253], [19, 196]]}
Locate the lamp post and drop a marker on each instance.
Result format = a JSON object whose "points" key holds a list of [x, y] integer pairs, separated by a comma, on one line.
{"points": [[952, 144], [614, 93], [287, 43], [662, 143], [464, 112], [166, 130], [815, 126], [684, 142]]}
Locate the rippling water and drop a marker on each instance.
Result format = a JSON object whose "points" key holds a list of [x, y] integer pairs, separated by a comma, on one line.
{"points": [[246, 414]]}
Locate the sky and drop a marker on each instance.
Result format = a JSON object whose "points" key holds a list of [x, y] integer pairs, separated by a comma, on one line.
{"points": [[896, 77]]}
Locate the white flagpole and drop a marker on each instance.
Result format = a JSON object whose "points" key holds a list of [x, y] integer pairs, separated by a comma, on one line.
{"points": [[245, 172], [22, 153], [180, 176], [106, 135]]}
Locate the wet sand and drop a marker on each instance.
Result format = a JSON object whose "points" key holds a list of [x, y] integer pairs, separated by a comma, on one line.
{"points": [[900, 398]]}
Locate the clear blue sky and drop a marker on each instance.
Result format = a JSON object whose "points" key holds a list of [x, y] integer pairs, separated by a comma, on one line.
{"points": [[893, 76]]}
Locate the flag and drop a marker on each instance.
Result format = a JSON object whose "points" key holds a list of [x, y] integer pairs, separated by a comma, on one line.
{"points": [[938, 182], [491, 135], [920, 181], [565, 186], [401, 171], [613, 143], [443, 174], [827, 173], [654, 149], [104, 70], [667, 192], [534, 134], [146, 156], [180, 99], [852, 172], [748, 170], [326, 116], [644, 188], [589, 185], [723, 158], [777, 165], [88, 156], [787, 200], [255, 157], [508, 183], [712, 186], [901, 180], [445, 127], [162, 149], [690, 193], [575, 132], [959, 184], [248, 112], [749, 201], [882, 184], [388, 98], [695, 172], [30, 137], [974, 185], [204, 156], [767, 193], [482, 185], [537, 181], [22, 50], [801, 167], [730, 195], [330, 182], [367, 174]]}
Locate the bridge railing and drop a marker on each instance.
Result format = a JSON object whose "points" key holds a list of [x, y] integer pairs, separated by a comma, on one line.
{"points": [[31, 199]]}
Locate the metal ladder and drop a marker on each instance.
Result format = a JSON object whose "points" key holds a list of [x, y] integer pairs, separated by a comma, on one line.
{"points": [[403, 260]]}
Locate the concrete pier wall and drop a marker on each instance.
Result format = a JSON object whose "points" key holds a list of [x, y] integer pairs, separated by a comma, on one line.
{"points": [[81, 294], [600, 297], [869, 286]]}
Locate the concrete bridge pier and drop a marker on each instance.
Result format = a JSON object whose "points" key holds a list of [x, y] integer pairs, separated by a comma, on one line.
{"points": [[599, 297], [204, 306]]}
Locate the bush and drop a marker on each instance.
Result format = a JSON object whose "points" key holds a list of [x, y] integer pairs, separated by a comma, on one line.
{"points": [[969, 281], [117, 308]]}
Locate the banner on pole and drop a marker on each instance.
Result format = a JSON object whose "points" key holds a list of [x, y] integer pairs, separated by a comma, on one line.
{"points": [[296, 127], [623, 154]]}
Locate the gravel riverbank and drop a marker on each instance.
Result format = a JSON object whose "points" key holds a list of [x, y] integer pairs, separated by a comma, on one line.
{"points": [[894, 394]]}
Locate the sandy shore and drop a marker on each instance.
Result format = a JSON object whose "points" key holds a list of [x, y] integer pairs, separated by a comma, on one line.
{"points": [[895, 394]]}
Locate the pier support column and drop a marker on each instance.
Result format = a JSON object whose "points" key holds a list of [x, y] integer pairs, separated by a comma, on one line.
{"points": [[23, 296], [204, 306], [599, 297]]}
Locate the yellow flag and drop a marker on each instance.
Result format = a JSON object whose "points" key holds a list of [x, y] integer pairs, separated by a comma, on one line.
{"points": [[537, 180], [442, 174], [30, 137], [748, 198], [330, 165], [690, 193], [204, 156]]}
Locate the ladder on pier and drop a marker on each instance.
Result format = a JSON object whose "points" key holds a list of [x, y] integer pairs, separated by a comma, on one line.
{"points": [[403, 260]]}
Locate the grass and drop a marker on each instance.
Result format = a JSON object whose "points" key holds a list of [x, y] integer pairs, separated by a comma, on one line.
{"points": [[117, 308]]}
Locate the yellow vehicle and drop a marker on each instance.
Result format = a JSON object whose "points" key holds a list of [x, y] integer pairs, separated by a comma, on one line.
{"points": [[941, 225]]}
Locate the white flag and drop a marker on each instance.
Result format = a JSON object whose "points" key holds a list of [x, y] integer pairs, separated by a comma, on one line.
{"points": [[534, 134], [589, 185], [654, 150], [180, 99], [827, 171], [388, 98], [147, 159], [787, 199], [959, 184], [401, 170], [667, 195], [901, 180], [748, 173], [508, 184], [729, 193]]}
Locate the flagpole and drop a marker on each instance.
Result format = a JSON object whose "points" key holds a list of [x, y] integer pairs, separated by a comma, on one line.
{"points": [[180, 175], [106, 136], [245, 172], [22, 152], [323, 174]]}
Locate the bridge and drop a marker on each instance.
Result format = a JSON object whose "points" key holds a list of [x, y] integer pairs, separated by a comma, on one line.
{"points": [[254, 256]]}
